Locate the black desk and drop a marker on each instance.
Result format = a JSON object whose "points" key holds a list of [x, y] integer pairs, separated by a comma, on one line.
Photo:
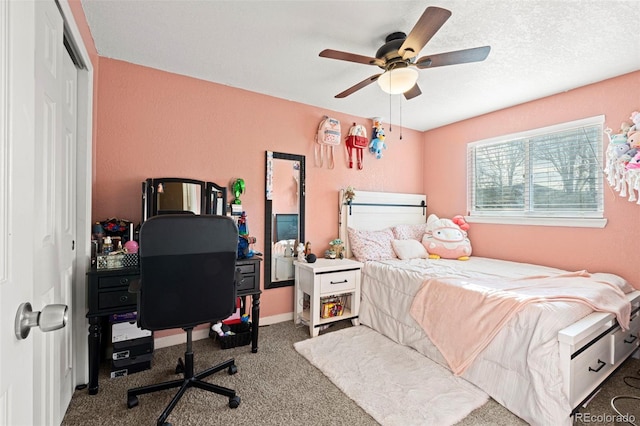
{"points": [[108, 293]]}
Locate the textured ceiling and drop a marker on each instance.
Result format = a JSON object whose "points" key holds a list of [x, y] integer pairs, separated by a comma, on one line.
{"points": [[538, 48]]}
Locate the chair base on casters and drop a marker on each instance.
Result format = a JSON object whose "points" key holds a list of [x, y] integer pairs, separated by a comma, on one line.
{"points": [[190, 380]]}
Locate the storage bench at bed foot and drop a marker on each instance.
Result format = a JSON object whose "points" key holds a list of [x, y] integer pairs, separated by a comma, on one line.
{"points": [[589, 369], [623, 342]]}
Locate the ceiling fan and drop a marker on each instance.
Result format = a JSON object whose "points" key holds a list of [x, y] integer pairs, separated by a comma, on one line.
{"points": [[397, 57]]}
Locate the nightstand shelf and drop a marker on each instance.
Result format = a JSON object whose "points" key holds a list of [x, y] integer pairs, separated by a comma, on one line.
{"points": [[305, 317], [322, 279]]}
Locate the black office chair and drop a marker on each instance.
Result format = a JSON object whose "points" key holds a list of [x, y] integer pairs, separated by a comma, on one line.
{"points": [[187, 277]]}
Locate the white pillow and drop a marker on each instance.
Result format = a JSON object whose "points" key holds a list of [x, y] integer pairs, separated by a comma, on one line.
{"points": [[409, 249]]}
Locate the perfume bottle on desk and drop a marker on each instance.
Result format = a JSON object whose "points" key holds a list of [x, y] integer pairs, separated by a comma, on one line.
{"points": [[107, 246]]}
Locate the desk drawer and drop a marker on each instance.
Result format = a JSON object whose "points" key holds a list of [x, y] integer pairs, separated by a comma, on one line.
{"points": [[338, 282], [117, 299], [116, 281], [246, 268], [248, 283]]}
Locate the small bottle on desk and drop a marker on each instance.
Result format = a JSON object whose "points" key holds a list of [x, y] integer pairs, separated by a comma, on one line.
{"points": [[107, 246]]}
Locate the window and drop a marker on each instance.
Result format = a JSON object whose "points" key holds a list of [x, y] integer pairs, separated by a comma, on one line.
{"points": [[553, 172]]}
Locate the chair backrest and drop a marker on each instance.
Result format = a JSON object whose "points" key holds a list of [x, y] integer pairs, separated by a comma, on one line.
{"points": [[187, 270]]}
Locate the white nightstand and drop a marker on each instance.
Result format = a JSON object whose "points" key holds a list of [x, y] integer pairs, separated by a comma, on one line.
{"points": [[321, 281]]}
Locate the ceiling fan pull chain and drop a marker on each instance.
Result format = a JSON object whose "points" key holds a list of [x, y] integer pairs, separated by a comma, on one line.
{"points": [[390, 129], [400, 119]]}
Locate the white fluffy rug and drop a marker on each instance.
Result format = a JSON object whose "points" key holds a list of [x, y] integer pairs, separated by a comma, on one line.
{"points": [[393, 383]]}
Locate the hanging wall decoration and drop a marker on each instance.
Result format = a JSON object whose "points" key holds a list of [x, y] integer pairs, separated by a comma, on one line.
{"points": [[327, 137], [623, 159], [377, 138], [356, 142]]}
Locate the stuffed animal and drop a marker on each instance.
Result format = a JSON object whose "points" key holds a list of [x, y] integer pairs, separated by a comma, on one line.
{"points": [[634, 163], [301, 254], [445, 239], [377, 138], [635, 118], [377, 144], [627, 156], [618, 138], [619, 149], [634, 139]]}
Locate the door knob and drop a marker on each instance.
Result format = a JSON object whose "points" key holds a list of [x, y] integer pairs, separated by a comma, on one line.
{"points": [[52, 317]]}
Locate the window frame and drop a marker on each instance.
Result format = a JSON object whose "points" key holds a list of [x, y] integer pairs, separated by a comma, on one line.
{"points": [[591, 219]]}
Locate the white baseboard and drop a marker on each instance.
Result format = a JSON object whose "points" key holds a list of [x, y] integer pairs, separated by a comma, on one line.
{"points": [[275, 319], [181, 338]]}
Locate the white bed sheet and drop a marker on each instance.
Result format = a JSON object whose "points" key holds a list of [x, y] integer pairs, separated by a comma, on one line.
{"points": [[520, 368]]}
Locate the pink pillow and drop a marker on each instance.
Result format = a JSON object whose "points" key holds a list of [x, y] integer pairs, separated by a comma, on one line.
{"points": [[371, 245], [409, 232]]}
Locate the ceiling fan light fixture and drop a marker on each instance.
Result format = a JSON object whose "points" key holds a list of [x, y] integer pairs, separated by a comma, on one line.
{"points": [[398, 80]]}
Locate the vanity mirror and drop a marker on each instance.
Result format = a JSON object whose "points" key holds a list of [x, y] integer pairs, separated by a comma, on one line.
{"points": [[284, 216], [183, 196]]}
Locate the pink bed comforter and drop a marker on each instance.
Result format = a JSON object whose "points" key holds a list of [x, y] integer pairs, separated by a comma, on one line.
{"points": [[462, 316]]}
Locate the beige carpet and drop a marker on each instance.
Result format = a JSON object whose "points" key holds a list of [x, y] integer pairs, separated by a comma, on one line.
{"points": [[394, 384], [278, 386]]}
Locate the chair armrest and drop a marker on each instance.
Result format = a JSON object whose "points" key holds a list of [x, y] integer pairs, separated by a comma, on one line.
{"points": [[135, 285]]}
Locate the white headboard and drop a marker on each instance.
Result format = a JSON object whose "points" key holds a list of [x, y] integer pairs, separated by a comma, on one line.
{"points": [[378, 210]]}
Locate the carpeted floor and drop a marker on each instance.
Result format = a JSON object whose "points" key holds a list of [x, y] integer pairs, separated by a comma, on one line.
{"points": [[278, 386]]}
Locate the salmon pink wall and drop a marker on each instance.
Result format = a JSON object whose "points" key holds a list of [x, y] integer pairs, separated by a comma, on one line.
{"points": [[157, 124], [613, 248]]}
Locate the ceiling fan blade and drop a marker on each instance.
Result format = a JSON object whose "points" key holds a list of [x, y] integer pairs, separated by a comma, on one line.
{"points": [[351, 57], [356, 87], [413, 92], [429, 23], [475, 54]]}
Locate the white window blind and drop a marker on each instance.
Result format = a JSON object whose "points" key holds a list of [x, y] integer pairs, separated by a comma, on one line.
{"points": [[549, 172]]}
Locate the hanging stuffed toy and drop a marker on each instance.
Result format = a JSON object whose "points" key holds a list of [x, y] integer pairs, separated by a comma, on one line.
{"points": [[377, 138]]}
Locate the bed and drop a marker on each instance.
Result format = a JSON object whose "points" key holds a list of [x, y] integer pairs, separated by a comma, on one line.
{"points": [[544, 364]]}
